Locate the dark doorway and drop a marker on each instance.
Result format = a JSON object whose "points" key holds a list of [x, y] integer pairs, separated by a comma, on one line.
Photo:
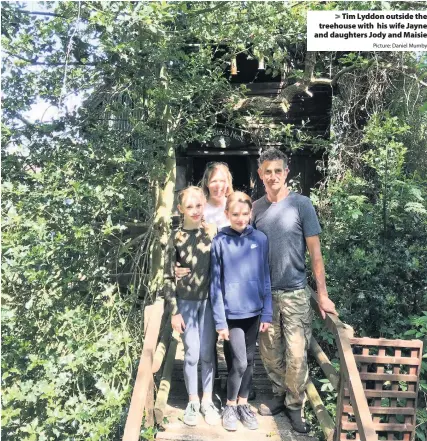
{"points": [[238, 165]]}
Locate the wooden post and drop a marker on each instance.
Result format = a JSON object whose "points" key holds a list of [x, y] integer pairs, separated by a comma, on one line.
{"points": [[163, 346], [341, 400], [149, 404], [165, 383], [323, 361], [326, 422], [144, 375]]}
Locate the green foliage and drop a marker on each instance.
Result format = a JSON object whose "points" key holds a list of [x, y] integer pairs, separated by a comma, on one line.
{"points": [[70, 338], [375, 235], [153, 74], [150, 75], [374, 243]]}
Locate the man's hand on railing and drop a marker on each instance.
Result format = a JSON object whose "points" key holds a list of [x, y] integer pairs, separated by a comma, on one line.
{"points": [[326, 305], [178, 324]]}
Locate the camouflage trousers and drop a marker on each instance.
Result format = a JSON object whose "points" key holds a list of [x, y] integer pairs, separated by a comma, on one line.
{"points": [[284, 346]]}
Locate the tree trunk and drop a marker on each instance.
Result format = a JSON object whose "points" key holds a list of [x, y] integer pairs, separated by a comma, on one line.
{"points": [[165, 192]]}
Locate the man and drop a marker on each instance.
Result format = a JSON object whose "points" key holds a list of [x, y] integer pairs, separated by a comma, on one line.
{"points": [[291, 225]]}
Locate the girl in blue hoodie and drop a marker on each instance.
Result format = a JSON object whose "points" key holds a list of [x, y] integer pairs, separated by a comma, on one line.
{"points": [[240, 293]]}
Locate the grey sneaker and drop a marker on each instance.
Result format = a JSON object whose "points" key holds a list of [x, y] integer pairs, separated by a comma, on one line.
{"points": [[229, 418], [210, 412], [246, 416], [191, 413]]}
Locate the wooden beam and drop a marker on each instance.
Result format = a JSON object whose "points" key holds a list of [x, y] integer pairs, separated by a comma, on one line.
{"points": [[149, 404], [348, 365], [326, 422], [144, 376], [383, 427], [366, 341], [244, 151], [388, 377], [324, 362], [165, 383], [377, 359], [384, 410], [162, 347], [371, 393]]}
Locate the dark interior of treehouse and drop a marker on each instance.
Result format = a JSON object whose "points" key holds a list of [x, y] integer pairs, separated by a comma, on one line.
{"points": [[233, 145]]}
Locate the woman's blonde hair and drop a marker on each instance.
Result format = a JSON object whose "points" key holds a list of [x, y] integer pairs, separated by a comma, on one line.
{"points": [[238, 196], [188, 190], [209, 170]]}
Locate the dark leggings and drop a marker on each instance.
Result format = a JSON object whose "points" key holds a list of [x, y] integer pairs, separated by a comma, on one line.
{"points": [[243, 336]]}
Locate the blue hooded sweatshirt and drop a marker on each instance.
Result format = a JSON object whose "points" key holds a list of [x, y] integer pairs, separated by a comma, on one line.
{"points": [[240, 276]]}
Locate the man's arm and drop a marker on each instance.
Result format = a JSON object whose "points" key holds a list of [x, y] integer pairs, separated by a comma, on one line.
{"points": [[325, 303]]}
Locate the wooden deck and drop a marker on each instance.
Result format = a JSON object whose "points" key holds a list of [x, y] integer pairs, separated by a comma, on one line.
{"points": [[275, 428]]}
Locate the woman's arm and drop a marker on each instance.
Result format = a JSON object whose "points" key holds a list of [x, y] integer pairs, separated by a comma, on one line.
{"points": [[216, 294]]}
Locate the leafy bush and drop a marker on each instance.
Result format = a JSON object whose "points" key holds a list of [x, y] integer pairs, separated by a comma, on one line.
{"points": [[70, 337], [374, 243], [375, 234]]}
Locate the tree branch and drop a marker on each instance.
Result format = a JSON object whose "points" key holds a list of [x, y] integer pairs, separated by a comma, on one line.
{"points": [[34, 61], [202, 11], [47, 14]]}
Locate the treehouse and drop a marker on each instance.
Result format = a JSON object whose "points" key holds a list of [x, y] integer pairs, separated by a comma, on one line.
{"points": [[239, 147]]}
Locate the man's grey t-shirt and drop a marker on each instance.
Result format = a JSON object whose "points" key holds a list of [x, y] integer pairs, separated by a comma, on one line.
{"points": [[286, 224]]}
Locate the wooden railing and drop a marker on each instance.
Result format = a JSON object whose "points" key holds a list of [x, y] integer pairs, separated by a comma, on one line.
{"points": [[160, 349], [348, 374], [143, 391]]}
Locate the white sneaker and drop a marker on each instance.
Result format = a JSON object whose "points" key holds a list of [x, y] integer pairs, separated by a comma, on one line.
{"points": [[191, 413], [210, 412]]}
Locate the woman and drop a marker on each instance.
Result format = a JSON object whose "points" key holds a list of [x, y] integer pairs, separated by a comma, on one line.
{"points": [[217, 184]]}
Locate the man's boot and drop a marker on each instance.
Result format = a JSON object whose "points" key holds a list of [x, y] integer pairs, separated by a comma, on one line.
{"points": [[298, 423], [272, 407]]}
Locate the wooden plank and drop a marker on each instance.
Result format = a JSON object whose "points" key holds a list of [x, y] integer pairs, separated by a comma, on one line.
{"points": [[162, 347], [144, 375], [349, 368], [324, 362], [383, 427], [366, 341], [378, 384], [413, 388], [410, 361], [341, 403], [394, 387], [326, 422], [165, 383], [371, 393], [224, 152], [387, 377], [384, 410], [149, 404]]}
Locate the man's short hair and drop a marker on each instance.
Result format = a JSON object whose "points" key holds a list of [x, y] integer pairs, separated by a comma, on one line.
{"points": [[273, 154]]}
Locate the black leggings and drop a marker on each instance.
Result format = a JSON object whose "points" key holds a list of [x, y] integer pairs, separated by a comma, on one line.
{"points": [[243, 336]]}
